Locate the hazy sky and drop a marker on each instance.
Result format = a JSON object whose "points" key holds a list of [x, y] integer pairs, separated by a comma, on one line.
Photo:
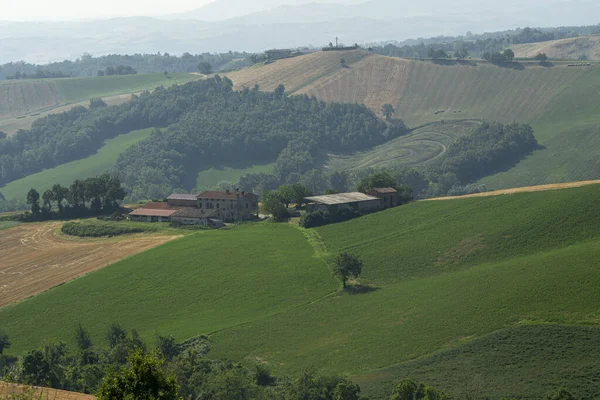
{"points": [[21, 10]]}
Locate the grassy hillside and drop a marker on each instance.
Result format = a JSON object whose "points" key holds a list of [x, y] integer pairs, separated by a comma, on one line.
{"points": [[562, 103], [571, 48], [209, 178], [417, 148], [32, 99], [438, 276], [65, 174]]}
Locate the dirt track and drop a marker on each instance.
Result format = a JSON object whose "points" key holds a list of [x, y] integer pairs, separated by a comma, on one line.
{"points": [[33, 259], [42, 393], [554, 186]]}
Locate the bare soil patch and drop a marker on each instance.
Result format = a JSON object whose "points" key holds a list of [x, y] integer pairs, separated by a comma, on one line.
{"points": [[33, 259], [42, 393], [525, 189]]}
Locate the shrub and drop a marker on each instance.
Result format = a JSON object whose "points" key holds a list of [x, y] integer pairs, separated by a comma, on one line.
{"points": [[315, 218], [89, 230]]}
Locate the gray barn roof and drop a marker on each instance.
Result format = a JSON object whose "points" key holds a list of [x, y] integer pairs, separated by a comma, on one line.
{"points": [[341, 198], [182, 196]]}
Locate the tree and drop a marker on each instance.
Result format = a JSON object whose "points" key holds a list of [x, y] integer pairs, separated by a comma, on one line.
{"points": [[110, 71], [142, 378], [167, 346], [345, 265], [300, 192], [378, 180], [273, 205], [388, 111], [346, 390], [97, 103], [343, 62], [59, 194], [286, 194], [541, 57], [205, 68], [33, 198], [82, 337], [115, 335], [411, 390], [100, 73], [561, 394], [4, 342], [47, 198], [339, 180], [509, 55]]}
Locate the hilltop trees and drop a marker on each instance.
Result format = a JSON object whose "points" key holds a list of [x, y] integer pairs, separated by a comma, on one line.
{"points": [[345, 266], [388, 111], [205, 68]]}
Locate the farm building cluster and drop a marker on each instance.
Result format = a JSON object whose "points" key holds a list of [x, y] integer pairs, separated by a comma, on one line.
{"points": [[375, 200], [211, 208]]}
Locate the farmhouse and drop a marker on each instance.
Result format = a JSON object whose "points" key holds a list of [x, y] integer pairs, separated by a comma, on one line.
{"points": [[388, 196], [336, 202], [207, 208]]}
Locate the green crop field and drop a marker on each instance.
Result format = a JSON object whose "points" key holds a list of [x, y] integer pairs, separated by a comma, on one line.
{"points": [[439, 278], [209, 178], [417, 148], [65, 174]]}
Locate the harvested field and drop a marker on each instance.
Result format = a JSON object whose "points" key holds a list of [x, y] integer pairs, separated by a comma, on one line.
{"points": [[41, 393], [526, 189], [35, 260], [570, 48], [18, 98]]}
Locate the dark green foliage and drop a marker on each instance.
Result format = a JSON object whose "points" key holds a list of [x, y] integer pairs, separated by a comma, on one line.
{"points": [[487, 149], [205, 68], [314, 219], [273, 205], [46, 366], [33, 198], [346, 265], [4, 342], [115, 335], [84, 342], [97, 103], [561, 394], [541, 57], [142, 378], [411, 390], [378, 180]]}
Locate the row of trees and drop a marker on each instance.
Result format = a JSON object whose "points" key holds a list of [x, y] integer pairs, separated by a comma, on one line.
{"points": [[87, 65], [101, 194], [38, 74], [118, 70], [506, 55]]}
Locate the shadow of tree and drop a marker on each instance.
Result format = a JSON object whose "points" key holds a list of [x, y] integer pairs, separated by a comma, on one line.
{"points": [[360, 289], [509, 64]]}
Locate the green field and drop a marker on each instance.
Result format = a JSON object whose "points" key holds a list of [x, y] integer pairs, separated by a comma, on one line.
{"points": [[209, 178], [439, 278], [65, 174], [417, 148]]}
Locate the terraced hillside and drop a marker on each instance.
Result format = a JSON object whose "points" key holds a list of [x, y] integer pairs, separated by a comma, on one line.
{"points": [[23, 101], [442, 281], [417, 148], [562, 103], [570, 49]]}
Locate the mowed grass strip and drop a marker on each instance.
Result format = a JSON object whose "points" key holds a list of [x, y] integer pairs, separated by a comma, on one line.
{"points": [[195, 285], [524, 362], [65, 174]]}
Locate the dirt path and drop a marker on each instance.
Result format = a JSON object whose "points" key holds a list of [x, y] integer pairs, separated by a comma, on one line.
{"points": [[34, 260], [41, 393], [554, 186]]}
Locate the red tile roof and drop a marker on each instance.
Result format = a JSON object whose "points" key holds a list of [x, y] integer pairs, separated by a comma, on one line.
{"points": [[148, 212], [214, 194], [156, 206]]}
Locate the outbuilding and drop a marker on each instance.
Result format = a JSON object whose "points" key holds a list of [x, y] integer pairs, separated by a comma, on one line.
{"points": [[151, 215], [335, 202]]}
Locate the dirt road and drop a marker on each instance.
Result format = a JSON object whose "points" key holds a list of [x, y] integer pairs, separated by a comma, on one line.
{"points": [[33, 259], [41, 393], [554, 186]]}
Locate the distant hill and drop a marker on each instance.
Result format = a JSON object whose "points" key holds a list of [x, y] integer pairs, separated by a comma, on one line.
{"points": [[584, 47], [562, 103]]}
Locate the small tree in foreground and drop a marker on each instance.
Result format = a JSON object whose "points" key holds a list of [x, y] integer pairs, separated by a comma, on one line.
{"points": [[345, 265], [142, 378]]}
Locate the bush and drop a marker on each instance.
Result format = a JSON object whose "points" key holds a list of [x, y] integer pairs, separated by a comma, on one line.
{"points": [[89, 230], [314, 219]]}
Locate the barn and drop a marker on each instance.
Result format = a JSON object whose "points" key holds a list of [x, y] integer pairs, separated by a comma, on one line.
{"points": [[335, 202]]}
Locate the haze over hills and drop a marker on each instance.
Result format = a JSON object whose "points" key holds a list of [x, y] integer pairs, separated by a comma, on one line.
{"points": [[235, 25]]}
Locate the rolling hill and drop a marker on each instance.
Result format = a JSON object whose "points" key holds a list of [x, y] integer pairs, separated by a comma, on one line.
{"points": [[443, 280], [562, 103], [88, 167], [568, 49], [23, 101]]}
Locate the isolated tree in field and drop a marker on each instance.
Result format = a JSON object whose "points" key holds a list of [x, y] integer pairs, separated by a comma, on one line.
{"points": [[33, 198], [509, 55], [378, 180], [541, 57], [345, 266], [142, 378], [388, 111], [205, 68], [4, 342]]}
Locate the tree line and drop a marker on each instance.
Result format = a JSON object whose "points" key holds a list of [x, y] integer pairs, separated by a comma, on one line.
{"points": [[118, 70], [95, 195], [87, 65], [126, 367]]}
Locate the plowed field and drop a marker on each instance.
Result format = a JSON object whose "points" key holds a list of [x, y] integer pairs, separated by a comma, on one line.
{"points": [[42, 393], [34, 260]]}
